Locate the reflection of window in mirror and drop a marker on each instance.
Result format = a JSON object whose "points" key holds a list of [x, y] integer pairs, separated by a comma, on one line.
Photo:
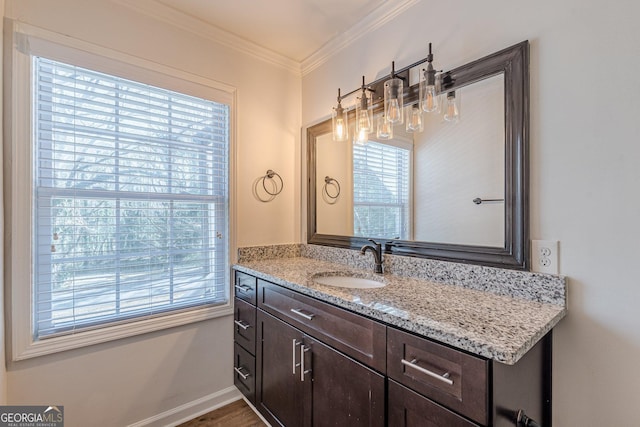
{"points": [[382, 189]]}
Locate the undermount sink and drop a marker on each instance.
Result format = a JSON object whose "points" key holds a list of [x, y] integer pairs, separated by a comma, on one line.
{"points": [[348, 282]]}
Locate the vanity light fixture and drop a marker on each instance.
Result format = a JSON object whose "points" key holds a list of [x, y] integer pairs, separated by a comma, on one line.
{"points": [[414, 118], [429, 99], [339, 122], [364, 115], [394, 97], [452, 112]]}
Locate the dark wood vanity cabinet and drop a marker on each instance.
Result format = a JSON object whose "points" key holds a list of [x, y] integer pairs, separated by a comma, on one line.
{"points": [[244, 335], [304, 362], [449, 387], [303, 382]]}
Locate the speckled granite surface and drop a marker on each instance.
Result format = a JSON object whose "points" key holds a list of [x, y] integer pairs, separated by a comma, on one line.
{"points": [[254, 253], [468, 317]]}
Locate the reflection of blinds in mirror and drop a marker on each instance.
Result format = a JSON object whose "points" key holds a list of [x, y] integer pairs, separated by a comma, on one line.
{"points": [[381, 190]]}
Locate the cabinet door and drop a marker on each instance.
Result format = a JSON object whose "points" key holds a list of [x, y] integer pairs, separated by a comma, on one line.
{"points": [[409, 409], [345, 392], [280, 395]]}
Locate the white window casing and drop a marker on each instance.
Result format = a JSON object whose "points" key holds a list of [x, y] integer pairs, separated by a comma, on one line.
{"points": [[159, 175]]}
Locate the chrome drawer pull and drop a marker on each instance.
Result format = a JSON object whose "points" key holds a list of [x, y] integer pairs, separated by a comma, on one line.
{"points": [[309, 316], [294, 365], [242, 324], [242, 374], [303, 372], [414, 364], [243, 288]]}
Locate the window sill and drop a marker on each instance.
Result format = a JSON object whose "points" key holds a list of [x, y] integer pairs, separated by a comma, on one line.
{"points": [[115, 332]]}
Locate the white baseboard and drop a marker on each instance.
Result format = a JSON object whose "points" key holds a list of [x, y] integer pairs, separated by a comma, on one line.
{"points": [[264, 420], [193, 409]]}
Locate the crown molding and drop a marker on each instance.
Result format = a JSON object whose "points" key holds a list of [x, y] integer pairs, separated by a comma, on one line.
{"points": [[193, 25], [380, 16]]}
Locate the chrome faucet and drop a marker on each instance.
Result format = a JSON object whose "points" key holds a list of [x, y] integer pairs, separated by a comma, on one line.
{"points": [[376, 248]]}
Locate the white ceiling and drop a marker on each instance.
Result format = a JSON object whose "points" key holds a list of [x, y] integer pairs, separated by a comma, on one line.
{"points": [[293, 28], [300, 32]]}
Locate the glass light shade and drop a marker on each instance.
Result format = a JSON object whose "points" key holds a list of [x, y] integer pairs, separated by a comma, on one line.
{"points": [[452, 108], [393, 100], [340, 123], [364, 115], [361, 137], [414, 118], [429, 99], [384, 128]]}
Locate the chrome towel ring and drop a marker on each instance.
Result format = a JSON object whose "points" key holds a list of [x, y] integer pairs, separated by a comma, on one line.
{"points": [[277, 188], [328, 181]]}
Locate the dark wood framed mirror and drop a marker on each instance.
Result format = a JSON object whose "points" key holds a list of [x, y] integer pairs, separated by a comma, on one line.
{"points": [[510, 247]]}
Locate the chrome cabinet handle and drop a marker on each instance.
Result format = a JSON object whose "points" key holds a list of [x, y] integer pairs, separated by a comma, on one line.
{"points": [[242, 324], [242, 374], [243, 288], [414, 364], [294, 365], [303, 372], [299, 312]]}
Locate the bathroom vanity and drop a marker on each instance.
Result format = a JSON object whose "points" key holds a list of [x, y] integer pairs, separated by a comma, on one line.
{"points": [[411, 352]]}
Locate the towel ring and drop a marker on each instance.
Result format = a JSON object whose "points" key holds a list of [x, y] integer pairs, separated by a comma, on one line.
{"points": [[331, 181], [270, 174]]}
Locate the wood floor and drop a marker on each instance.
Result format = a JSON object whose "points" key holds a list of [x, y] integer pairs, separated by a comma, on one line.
{"points": [[236, 414]]}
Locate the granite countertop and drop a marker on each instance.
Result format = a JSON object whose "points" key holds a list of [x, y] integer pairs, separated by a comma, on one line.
{"points": [[498, 327]]}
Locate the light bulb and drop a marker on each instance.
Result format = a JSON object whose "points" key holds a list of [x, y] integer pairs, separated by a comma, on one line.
{"points": [[364, 115], [430, 99], [452, 113], [428, 90], [340, 130], [393, 113], [414, 119], [394, 100], [362, 137], [364, 121], [339, 123], [385, 129]]}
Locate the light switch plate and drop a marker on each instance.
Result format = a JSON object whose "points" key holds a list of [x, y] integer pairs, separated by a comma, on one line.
{"points": [[544, 256]]}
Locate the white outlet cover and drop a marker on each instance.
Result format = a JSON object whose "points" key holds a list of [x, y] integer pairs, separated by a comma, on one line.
{"points": [[544, 256]]}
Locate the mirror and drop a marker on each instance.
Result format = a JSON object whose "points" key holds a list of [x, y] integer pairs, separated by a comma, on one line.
{"points": [[455, 191]]}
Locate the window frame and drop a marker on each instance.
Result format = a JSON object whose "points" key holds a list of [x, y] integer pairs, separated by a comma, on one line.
{"points": [[26, 41]]}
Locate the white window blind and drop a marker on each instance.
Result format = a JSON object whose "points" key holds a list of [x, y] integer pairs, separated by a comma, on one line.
{"points": [[131, 200], [381, 190]]}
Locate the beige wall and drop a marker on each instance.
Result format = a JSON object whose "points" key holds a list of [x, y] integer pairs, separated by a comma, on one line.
{"points": [[129, 380], [334, 216], [584, 164]]}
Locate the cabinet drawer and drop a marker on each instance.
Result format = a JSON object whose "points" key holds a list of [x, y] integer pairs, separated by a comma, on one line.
{"points": [[245, 287], [244, 325], [244, 367], [409, 409], [455, 379], [361, 338]]}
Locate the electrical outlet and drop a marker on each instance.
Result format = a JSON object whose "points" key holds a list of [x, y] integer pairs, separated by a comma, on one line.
{"points": [[544, 256]]}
